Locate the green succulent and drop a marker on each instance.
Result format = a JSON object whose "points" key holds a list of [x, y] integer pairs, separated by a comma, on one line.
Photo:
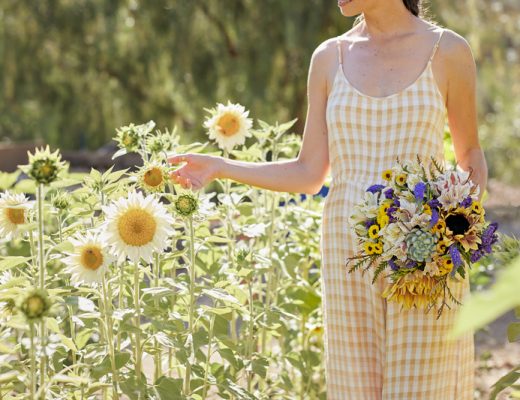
{"points": [[420, 245]]}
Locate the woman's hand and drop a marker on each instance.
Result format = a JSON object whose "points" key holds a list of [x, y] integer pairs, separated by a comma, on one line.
{"points": [[199, 170]]}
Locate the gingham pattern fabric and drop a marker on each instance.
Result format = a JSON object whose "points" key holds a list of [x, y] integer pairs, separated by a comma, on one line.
{"points": [[373, 349]]}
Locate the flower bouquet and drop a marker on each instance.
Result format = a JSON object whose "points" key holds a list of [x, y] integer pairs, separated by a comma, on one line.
{"points": [[424, 225]]}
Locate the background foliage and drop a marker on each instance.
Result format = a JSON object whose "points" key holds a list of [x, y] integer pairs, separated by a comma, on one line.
{"points": [[73, 70]]}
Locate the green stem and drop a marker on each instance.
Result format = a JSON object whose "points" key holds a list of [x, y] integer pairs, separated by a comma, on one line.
{"points": [[191, 310], [72, 335], [270, 272], [250, 336], [208, 357], [41, 265], [107, 303], [158, 353], [137, 306], [120, 302], [33, 361]]}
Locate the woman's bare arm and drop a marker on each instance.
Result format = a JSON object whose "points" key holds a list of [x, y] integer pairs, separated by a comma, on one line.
{"points": [[304, 174], [462, 109]]}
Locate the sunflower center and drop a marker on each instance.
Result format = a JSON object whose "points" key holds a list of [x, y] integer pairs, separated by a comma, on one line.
{"points": [[15, 215], [457, 223], [153, 177], [91, 257], [35, 306], [228, 124], [137, 227]]}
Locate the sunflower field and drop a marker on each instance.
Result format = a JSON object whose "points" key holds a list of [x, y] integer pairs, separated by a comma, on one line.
{"points": [[123, 285]]}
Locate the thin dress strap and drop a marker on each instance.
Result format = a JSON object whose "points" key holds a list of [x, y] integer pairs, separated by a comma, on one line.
{"points": [[339, 51], [436, 46]]}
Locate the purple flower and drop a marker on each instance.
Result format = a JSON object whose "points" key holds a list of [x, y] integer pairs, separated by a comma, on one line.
{"points": [[419, 190], [393, 265], [455, 255], [410, 264], [466, 202], [369, 223], [375, 188], [435, 217], [397, 203], [476, 255], [389, 193], [434, 203], [390, 210]]}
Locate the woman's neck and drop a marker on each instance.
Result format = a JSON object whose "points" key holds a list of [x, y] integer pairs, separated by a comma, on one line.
{"points": [[388, 18]]}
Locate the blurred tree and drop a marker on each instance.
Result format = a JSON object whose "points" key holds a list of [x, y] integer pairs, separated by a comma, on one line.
{"points": [[74, 70]]}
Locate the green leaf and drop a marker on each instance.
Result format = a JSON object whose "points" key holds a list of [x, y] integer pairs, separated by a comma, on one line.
{"points": [[169, 388], [11, 262], [242, 393], [220, 295], [513, 331], [482, 308], [104, 367]]}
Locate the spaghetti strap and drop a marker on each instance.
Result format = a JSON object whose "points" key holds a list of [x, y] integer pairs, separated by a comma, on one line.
{"points": [[339, 51], [436, 46]]}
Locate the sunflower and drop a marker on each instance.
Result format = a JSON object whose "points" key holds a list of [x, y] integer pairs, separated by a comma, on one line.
{"points": [[89, 260], [415, 289], [387, 175], [44, 167], [137, 226], [152, 177], [401, 179], [373, 231], [35, 305], [14, 209], [228, 125], [439, 226], [463, 226], [369, 248], [445, 265]]}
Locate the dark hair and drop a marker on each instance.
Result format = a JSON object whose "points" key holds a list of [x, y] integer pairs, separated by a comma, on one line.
{"points": [[416, 7]]}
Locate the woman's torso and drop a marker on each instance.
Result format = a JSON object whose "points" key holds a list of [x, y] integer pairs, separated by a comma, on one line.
{"points": [[366, 133]]}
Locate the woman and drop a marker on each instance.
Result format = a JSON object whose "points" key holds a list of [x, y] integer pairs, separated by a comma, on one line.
{"points": [[378, 91]]}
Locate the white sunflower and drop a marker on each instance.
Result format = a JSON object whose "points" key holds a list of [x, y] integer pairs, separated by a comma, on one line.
{"points": [[14, 210], [152, 177], [228, 125], [89, 260], [137, 226]]}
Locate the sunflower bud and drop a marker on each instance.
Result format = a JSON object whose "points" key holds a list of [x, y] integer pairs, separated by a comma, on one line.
{"points": [[44, 167], [185, 204], [35, 305]]}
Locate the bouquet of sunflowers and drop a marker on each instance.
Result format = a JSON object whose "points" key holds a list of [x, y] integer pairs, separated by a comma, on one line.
{"points": [[424, 225]]}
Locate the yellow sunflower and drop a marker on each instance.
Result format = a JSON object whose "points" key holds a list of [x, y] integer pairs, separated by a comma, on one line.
{"points": [[137, 226], [415, 289], [228, 125], [14, 210], [373, 231], [387, 174]]}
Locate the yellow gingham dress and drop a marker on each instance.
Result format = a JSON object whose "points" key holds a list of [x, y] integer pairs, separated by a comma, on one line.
{"points": [[374, 351]]}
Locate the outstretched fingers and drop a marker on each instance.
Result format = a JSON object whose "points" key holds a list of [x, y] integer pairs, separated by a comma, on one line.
{"points": [[178, 158]]}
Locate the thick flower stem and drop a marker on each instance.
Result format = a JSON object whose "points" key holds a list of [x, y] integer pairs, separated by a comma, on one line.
{"points": [[33, 361], [41, 266], [250, 338], [158, 353], [120, 302], [137, 306], [270, 273], [191, 310], [107, 303], [208, 357]]}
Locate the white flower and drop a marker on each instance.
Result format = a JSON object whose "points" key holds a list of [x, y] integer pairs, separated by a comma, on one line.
{"points": [[413, 179], [89, 259], [137, 226], [228, 125], [453, 187], [14, 209]]}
